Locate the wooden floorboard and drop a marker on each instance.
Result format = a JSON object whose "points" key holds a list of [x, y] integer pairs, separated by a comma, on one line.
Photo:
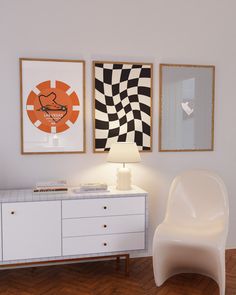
{"points": [[102, 278]]}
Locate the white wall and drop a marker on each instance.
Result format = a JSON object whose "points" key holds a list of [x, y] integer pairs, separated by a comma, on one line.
{"points": [[158, 31]]}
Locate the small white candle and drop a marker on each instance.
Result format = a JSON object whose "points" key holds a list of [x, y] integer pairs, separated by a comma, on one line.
{"points": [[55, 140]]}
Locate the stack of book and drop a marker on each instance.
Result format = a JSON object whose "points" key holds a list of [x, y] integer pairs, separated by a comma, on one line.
{"points": [[58, 186]]}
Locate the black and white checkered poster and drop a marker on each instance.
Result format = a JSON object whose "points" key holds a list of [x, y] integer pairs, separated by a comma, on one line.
{"points": [[122, 104]]}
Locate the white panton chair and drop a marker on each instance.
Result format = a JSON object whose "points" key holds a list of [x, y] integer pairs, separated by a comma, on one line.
{"points": [[192, 237]]}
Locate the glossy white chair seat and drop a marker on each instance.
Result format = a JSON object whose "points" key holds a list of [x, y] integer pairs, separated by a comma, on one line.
{"points": [[193, 234], [190, 234]]}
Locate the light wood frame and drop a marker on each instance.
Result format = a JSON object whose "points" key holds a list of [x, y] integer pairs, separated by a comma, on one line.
{"points": [[21, 60], [151, 99], [160, 107]]}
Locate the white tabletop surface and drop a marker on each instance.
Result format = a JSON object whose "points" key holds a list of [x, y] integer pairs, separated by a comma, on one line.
{"points": [[27, 195]]}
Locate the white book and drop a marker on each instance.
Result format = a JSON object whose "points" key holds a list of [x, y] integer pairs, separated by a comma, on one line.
{"points": [[79, 190], [93, 186], [52, 184]]}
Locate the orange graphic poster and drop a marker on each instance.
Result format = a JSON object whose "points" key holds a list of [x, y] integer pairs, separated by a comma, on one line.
{"points": [[52, 108]]}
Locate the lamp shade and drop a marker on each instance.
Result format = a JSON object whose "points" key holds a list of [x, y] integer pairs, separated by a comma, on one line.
{"points": [[123, 152]]}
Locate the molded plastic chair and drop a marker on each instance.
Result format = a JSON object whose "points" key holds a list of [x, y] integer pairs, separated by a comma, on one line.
{"points": [[193, 234]]}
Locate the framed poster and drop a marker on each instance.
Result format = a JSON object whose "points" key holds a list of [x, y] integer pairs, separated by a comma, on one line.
{"points": [[186, 108], [52, 106], [122, 104]]}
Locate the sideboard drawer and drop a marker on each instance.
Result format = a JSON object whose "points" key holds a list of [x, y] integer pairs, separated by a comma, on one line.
{"points": [[103, 207], [103, 225], [101, 244]]}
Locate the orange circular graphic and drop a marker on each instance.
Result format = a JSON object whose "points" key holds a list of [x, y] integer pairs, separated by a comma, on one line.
{"points": [[52, 106]]}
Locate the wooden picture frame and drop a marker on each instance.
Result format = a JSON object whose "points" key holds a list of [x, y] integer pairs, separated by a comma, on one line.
{"points": [[122, 104], [52, 106], [186, 107]]}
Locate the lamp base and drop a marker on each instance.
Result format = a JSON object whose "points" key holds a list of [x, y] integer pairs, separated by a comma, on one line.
{"points": [[123, 181]]}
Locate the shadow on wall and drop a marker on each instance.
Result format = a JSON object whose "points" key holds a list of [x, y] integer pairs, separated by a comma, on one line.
{"points": [[157, 185]]}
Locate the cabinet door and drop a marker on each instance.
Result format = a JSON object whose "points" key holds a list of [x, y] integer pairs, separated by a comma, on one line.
{"points": [[31, 230]]}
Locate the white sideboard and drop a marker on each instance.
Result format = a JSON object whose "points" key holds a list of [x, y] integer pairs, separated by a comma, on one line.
{"points": [[37, 228]]}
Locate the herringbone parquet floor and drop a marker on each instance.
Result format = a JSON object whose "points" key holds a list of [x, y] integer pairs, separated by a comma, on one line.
{"points": [[102, 278]]}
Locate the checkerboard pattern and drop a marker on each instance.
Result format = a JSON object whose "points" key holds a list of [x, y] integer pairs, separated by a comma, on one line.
{"points": [[122, 105]]}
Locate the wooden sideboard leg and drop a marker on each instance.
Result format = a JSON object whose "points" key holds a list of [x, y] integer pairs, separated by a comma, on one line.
{"points": [[127, 265], [117, 262]]}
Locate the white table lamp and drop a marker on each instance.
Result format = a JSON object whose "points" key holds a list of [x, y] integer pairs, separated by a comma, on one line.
{"points": [[123, 152]]}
